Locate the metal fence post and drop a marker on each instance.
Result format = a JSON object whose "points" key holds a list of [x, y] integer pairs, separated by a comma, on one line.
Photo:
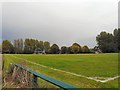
{"points": [[34, 81]]}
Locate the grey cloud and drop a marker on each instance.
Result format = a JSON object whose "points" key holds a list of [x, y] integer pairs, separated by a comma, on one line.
{"points": [[59, 22]]}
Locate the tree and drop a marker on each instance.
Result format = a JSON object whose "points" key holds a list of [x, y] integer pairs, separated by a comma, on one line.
{"points": [[96, 48], [29, 46], [63, 50], [116, 35], [118, 39], [18, 45], [54, 49], [75, 48], [105, 42], [0, 48], [69, 50], [7, 47], [46, 46], [85, 49], [41, 46]]}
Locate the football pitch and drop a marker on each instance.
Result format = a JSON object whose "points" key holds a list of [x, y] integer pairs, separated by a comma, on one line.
{"points": [[81, 70]]}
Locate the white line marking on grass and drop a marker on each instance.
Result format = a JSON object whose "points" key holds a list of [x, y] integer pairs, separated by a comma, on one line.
{"points": [[91, 78]]}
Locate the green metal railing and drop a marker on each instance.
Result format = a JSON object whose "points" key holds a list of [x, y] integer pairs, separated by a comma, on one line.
{"points": [[48, 79]]}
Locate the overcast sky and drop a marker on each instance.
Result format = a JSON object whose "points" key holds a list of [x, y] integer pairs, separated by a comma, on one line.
{"points": [[59, 22]]}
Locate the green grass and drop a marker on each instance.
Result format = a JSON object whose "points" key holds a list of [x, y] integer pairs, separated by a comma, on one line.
{"points": [[92, 65]]}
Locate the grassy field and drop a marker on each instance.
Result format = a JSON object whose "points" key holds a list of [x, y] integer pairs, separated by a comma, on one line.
{"points": [[100, 66]]}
